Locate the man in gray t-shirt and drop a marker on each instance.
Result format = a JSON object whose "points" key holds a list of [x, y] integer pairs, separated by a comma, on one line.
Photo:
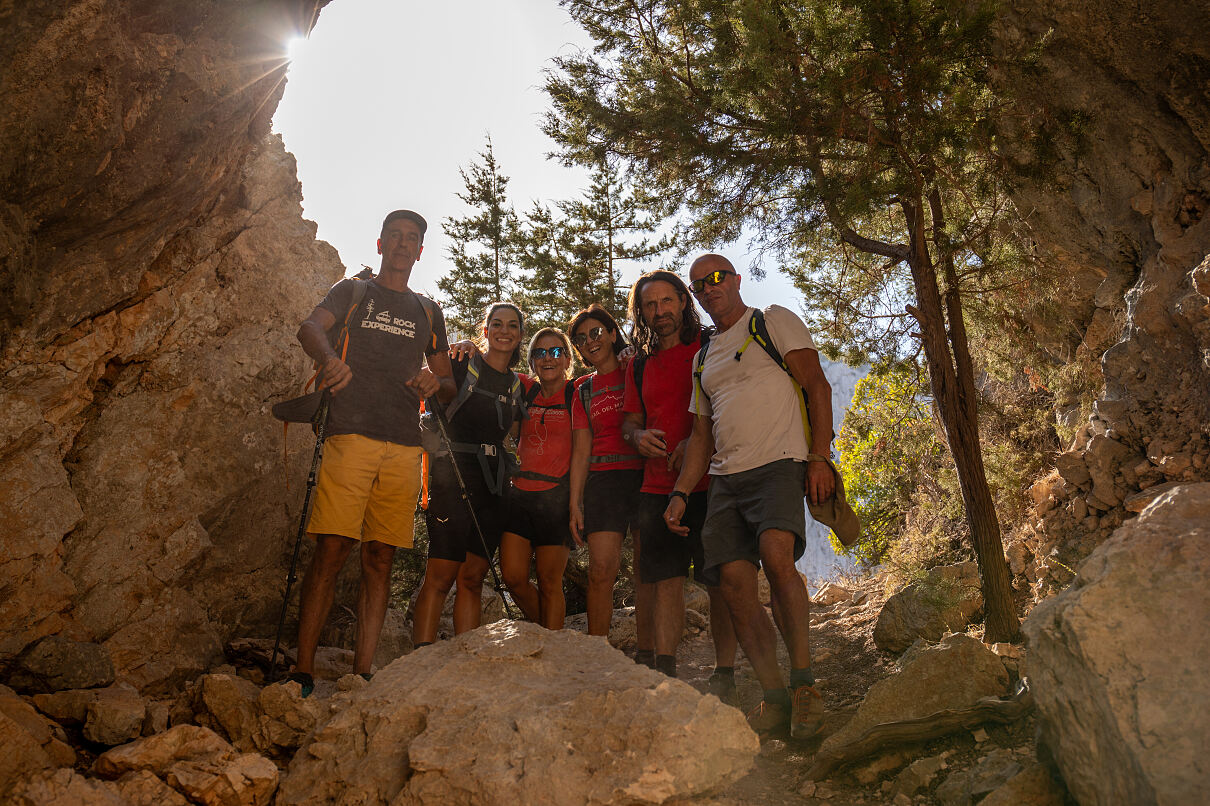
{"points": [[748, 432], [369, 480]]}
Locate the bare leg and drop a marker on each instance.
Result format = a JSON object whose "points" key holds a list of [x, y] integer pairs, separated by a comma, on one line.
{"points": [[552, 562], [722, 633], [752, 626], [644, 604], [372, 598], [515, 555], [468, 600], [790, 600], [315, 598], [439, 576], [669, 614], [604, 556]]}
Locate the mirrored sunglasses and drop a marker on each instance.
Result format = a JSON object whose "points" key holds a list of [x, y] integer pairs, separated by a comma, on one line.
{"points": [[580, 339], [713, 278], [538, 353]]}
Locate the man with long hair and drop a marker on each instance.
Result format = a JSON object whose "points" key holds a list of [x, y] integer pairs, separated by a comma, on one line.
{"points": [[667, 333]]}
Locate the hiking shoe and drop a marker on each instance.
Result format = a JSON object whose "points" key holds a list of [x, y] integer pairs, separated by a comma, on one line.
{"points": [[806, 715], [769, 719], [305, 681], [723, 687]]}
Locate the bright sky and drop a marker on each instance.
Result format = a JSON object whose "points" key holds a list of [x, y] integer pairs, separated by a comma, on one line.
{"points": [[389, 98]]}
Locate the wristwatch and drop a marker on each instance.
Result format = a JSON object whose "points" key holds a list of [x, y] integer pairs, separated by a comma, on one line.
{"points": [[678, 494]]}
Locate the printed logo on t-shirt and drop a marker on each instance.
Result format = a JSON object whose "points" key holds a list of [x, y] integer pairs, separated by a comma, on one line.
{"points": [[384, 321]]}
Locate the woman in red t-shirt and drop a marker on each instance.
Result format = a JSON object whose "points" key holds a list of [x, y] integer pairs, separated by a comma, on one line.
{"points": [[537, 525], [606, 472]]}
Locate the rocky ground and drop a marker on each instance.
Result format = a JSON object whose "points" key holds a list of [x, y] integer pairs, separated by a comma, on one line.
{"points": [[228, 738]]}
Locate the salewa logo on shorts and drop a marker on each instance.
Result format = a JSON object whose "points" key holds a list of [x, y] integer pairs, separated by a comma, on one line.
{"points": [[384, 321]]}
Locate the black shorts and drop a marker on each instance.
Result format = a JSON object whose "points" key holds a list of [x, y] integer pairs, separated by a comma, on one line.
{"points": [[541, 516], [665, 554], [610, 500], [451, 530]]}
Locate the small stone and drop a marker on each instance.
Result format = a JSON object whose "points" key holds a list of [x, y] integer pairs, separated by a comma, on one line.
{"points": [[115, 716], [351, 682], [901, 800], [979, 735], [807, 788]]}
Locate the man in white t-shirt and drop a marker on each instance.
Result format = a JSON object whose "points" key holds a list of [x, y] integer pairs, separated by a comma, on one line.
{"points": [[748, 432]]}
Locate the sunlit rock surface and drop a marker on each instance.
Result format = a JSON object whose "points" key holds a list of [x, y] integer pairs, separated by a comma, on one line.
{"points": [[155, 266]]}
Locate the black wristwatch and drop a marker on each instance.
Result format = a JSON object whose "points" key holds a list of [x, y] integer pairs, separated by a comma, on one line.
{"points": [[678, 494]]}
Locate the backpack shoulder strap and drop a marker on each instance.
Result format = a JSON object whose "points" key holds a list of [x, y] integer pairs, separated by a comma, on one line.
{"points": [[467, 388], [639, 364], [759, 333], [586, 398], [569, 391], [429, 307], [697, 373]]}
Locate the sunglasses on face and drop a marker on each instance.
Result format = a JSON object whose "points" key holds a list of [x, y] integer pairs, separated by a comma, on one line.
{"points": [[713, 278], [580, 339], [538, 353]]}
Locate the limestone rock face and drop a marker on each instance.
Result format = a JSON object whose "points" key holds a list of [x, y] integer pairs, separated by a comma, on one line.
{"points": [[154, 265], [945, 601], [953, 674], [512, 713], [1126, 213], [1118, 660]]}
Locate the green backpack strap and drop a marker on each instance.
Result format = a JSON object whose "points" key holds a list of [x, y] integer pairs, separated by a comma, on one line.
{"points": [[758, 332]]}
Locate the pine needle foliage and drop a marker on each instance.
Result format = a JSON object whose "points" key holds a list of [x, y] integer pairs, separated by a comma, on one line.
{"points": [[482, 246], [856, 138]]}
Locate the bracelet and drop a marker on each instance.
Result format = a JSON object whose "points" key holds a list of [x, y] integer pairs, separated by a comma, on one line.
{"points": [[678, 494]]}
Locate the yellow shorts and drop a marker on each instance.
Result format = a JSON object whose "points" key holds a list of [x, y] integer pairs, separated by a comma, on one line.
{"points": [[367, 490]]}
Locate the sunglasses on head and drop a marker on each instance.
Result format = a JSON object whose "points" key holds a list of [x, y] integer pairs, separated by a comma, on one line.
{"points": [[580, 339], [713, 278], [539, 353]]}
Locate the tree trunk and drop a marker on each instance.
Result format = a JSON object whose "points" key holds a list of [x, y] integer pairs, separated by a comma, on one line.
{"points": [[952, 378]]}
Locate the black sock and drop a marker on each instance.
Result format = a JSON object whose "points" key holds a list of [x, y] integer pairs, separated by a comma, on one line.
{"points": [[801, 677], [725, 671], [645, 657], [419, 644], [666, 664], [778, 696]]}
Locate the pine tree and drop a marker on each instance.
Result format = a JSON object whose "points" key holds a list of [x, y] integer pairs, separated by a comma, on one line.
{"points": [[482, 246], [855, 139], [574, 250]]}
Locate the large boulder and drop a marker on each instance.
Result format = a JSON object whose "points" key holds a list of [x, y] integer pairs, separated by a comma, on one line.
{"points": [[1118, 660], [944, 601], [954, 674], [513, 713]]}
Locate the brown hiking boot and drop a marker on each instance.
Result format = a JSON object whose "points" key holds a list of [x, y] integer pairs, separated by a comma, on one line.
{"points": [[769, 719], [806, 715]]}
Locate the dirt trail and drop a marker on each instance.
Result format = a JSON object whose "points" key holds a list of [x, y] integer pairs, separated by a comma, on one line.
{"points": [[846, 663]]}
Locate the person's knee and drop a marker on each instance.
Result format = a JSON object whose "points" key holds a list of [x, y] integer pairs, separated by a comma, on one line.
{"points": [[377, 558], [514, 576]]}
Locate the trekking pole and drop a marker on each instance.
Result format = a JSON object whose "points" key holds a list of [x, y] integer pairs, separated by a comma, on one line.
{"points": [[322, 419], [449, 447]]}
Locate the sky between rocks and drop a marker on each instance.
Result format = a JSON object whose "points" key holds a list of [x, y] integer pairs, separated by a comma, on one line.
{"points": [[389, 98]]}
